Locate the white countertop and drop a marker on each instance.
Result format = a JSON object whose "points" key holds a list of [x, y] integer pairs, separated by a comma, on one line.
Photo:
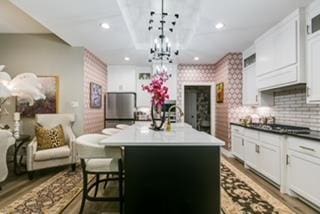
{"points": [[139, 134]]}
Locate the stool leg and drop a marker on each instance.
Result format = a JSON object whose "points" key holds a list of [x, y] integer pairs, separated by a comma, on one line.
{"points": [[106, 182], [97, 185], [120, 185], [84, 192]]}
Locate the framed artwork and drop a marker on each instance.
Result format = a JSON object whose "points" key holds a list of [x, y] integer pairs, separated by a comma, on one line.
{"points": [[220, 92], [95, 95], [50, 87], [144, 76]]}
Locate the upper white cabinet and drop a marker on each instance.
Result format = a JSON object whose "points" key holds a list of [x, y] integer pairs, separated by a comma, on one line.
{"points": [[249, 87], [313, 53], [121, 78], [280, 53]]}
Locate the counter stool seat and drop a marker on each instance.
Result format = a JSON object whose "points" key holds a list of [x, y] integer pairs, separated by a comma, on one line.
{"points": [[110, 131], [122, 126]]}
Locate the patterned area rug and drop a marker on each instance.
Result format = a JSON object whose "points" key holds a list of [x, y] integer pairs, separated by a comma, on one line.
{"points": [[52, 196], [239, 194]]}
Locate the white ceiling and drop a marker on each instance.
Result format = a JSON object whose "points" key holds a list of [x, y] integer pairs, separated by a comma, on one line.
{"points": [[77, 22], [13, 20]]}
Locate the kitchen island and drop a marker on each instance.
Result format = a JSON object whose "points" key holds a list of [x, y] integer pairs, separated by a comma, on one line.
{"points": [[169, 172]]}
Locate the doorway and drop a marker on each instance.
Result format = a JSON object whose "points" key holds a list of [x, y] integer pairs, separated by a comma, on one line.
{"points": [[197, 107]]}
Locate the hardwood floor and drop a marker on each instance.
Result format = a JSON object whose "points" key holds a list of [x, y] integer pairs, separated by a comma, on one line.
{"points": [[16, 186]]}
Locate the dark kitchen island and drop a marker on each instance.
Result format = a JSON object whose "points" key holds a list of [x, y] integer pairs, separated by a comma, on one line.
{"points": [[170, 172]]}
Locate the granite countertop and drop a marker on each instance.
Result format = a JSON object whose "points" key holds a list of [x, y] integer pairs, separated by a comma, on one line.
{"points": [[140, 134], [308, 134]]}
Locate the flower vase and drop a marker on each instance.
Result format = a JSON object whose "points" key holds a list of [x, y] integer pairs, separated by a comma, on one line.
{"points": [[158, 118]]}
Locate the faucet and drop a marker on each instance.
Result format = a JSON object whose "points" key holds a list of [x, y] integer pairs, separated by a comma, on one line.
{"points": [[169, 126]]}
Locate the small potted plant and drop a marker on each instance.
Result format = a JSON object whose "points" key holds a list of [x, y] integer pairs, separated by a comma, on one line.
{"points": [[159, 94]]}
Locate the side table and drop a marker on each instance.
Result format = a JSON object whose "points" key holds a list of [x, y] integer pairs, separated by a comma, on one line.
{"points": [[20, 141]]}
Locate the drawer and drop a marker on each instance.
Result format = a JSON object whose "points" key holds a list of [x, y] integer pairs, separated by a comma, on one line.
{"points": [[252, 134], [273, 139], [304, 146], [237, 130]]}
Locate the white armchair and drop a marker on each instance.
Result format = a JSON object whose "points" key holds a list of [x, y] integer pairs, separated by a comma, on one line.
{"points": [[60, 156], [6, 140]]}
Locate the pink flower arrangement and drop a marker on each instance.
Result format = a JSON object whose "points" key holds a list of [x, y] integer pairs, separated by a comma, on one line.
{"points": [[158, 90]]}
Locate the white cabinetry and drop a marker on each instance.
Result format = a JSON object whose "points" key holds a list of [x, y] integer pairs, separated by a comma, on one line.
{"points": [[249, 87], [251, 153], [304, 168], [313, 53], [259, 150], [280, 53], [237, 142], [121, 78], [270, 156]]}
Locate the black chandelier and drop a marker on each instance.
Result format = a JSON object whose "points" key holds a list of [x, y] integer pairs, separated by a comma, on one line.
{"points": [[162, 49]]}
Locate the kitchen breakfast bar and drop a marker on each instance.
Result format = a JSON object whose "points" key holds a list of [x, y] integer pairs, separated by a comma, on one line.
{"points": [[169, 172]]}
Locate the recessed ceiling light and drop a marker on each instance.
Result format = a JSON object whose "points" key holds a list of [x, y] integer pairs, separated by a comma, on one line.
{"points": [[196, 58], [127, 58], [219, 25], [104, 25]]}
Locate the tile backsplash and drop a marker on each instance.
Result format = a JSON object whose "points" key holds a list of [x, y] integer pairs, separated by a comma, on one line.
{"points": [[291, 109]]}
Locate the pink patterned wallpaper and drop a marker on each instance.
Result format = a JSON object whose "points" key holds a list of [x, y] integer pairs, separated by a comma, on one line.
{"points": [[94, 71], [193, 74], [222, 110], [229, 71]]}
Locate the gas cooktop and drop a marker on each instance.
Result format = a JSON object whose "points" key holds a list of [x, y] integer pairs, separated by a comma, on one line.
{"points": [[283, 128]]}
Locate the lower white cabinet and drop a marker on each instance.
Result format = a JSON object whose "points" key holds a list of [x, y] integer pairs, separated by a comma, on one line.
{"points": [[304, 169], [251, 154], [269, 162], [237, 146], [291, 162], [260, 151]]}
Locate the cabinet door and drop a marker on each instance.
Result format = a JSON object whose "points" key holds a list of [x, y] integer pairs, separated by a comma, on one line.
{"points": [[249, 89], [313, 69], [269, 161], [238, 146], [251, 155], [304, 176], [285, 41], [265, 55]]}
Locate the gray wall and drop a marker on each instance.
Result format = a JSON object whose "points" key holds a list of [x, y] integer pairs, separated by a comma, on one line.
{"points": [[46, 55]]}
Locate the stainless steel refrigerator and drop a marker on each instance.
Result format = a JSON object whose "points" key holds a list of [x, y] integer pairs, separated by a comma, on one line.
{"points": [[120, 107]]}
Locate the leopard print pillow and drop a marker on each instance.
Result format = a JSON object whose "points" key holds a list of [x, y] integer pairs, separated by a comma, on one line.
{"points": [[49, 138]]}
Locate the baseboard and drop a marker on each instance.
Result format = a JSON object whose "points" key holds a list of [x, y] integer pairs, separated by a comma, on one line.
{"points": [[226, 153]]}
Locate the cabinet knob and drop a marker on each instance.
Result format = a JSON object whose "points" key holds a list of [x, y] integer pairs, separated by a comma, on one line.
{"points": [[308, 29]]}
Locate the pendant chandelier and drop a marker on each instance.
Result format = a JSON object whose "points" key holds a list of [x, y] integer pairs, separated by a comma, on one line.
{"points": [[162, 49]]}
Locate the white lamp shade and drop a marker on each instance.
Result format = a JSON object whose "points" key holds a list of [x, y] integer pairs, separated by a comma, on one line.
{"points": [[4, 91], [2, 67], [4, 76]]}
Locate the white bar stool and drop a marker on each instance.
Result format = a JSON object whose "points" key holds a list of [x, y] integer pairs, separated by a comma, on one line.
{"points": [[99, 160], [122, 126], [110, 131]]}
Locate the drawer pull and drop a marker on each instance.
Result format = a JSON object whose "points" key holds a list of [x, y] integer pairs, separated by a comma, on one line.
{"points": [[307, 148]]}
